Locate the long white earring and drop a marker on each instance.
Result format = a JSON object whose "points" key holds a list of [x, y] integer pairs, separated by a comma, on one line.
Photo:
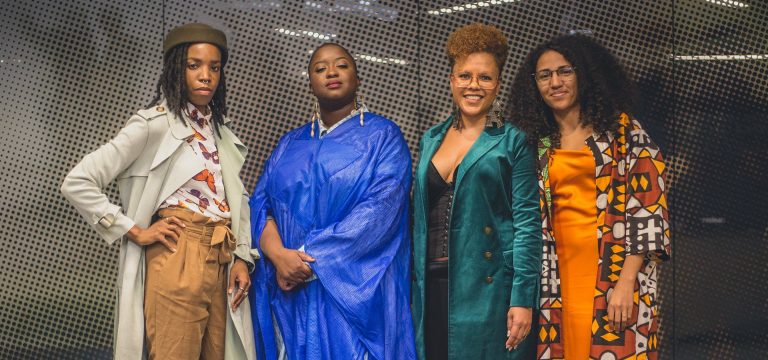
{"points": [[315, 117]]}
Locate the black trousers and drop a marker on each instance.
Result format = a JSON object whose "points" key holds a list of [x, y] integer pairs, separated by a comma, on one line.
{"points": [[436, 311]]}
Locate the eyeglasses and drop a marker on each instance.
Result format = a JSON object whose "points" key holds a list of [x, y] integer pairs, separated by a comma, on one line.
{"points": [[565, 72], [485, 82]]}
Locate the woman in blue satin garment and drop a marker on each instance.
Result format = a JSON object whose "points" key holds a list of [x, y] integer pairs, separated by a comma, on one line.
{"points": [[330, 213]]}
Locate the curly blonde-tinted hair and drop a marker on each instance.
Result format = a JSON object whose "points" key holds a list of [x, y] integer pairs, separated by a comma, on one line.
{"points": [[474, 38]]}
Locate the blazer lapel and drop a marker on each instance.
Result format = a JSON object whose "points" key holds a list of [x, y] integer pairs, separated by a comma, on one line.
{"points": [[432, 141], [487, 140]]}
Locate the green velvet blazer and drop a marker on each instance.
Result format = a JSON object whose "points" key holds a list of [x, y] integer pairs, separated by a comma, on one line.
{"points": [[495, 242]]}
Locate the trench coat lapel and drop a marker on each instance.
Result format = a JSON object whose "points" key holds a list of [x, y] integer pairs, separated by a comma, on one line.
{"points": [[175, 162], [232, 154], [177, 134]]}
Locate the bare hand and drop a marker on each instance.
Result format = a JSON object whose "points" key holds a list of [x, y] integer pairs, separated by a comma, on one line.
{"points": [[239, 282], [518, 325], [166, 231], [291, 268], [620, 306]]}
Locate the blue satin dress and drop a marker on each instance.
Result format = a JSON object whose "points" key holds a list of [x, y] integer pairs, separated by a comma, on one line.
{"points": [[345, 199]]}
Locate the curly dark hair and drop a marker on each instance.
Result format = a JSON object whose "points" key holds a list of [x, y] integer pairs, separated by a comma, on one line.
{"points": [[604, 89], [172, 86], [475, 38]]}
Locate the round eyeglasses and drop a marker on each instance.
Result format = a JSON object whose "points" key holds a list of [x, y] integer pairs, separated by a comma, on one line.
{"points": [[564, 72], [464, 80]]}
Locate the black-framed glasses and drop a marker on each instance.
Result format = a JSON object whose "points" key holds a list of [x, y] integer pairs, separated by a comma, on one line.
{"points": [[564, 72], [485, 82]]}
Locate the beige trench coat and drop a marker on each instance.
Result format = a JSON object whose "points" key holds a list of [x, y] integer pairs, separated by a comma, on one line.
{"points": [[150, 159]]}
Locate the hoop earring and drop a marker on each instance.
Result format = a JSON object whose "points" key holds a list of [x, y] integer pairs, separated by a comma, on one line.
{"points": [[315, 117], [359, 106], [494, 116]]}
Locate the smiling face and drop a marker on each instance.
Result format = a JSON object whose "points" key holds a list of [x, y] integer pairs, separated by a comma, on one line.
{"points": [[561, 94], [203, 73], [475, 84], [332, 76]]}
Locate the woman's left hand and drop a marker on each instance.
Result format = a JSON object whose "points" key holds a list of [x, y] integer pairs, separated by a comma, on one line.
{"points": [[620, 305], [239, 282], [518, 325]]}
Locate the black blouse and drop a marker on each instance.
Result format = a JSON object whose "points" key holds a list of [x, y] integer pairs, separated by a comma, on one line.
{"points": [[440, 194]]}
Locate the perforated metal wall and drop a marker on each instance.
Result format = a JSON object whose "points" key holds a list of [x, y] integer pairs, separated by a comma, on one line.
{"points": [[71, 73], [718, 130]]}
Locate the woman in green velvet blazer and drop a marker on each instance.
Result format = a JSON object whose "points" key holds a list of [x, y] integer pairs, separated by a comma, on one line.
{"points": [[492, 239]]}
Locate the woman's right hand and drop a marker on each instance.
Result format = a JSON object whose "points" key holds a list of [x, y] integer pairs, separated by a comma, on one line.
{"points": [[166, 231], [291, 267]]}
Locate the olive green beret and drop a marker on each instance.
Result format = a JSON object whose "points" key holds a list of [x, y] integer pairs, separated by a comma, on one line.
{"points": [[194, 33]]}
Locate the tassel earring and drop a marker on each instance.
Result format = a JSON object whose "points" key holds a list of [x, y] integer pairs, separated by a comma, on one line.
{"points": [[360, 107], [315, 117], [494, 116], [456, 123]]}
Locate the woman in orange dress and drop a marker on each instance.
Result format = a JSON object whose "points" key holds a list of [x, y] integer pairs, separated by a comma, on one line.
{"points": [[572, 185], [604, 210]]}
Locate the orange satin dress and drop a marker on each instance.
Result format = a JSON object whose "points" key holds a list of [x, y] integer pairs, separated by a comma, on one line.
{"points": [[572, 186]]}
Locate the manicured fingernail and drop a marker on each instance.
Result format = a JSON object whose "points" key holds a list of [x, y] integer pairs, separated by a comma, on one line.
{"points": [[508, 332]]}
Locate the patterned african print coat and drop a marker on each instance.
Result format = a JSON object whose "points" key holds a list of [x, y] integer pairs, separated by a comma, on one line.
{"points": [[632, 218]]}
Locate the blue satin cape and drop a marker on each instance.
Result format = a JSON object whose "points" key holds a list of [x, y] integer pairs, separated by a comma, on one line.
{"points": [[345, 198]]}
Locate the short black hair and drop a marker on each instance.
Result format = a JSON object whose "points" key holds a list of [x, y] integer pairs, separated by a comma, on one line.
{"points": [[351, 58], [172, 86], [604, 89]]}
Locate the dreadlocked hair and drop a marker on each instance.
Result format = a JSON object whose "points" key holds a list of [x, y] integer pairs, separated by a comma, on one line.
{"points": [[604, 89], [172, 86]]}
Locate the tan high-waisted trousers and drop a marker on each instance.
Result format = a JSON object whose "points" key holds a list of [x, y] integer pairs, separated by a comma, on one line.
{"points": [[185, 300]]}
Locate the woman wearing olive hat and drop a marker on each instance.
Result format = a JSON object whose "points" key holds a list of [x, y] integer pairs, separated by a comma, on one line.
{"points": [[184, 224]]}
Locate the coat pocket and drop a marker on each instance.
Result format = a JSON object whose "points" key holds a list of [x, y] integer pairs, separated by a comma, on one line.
{"points": [[508, 262]]}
